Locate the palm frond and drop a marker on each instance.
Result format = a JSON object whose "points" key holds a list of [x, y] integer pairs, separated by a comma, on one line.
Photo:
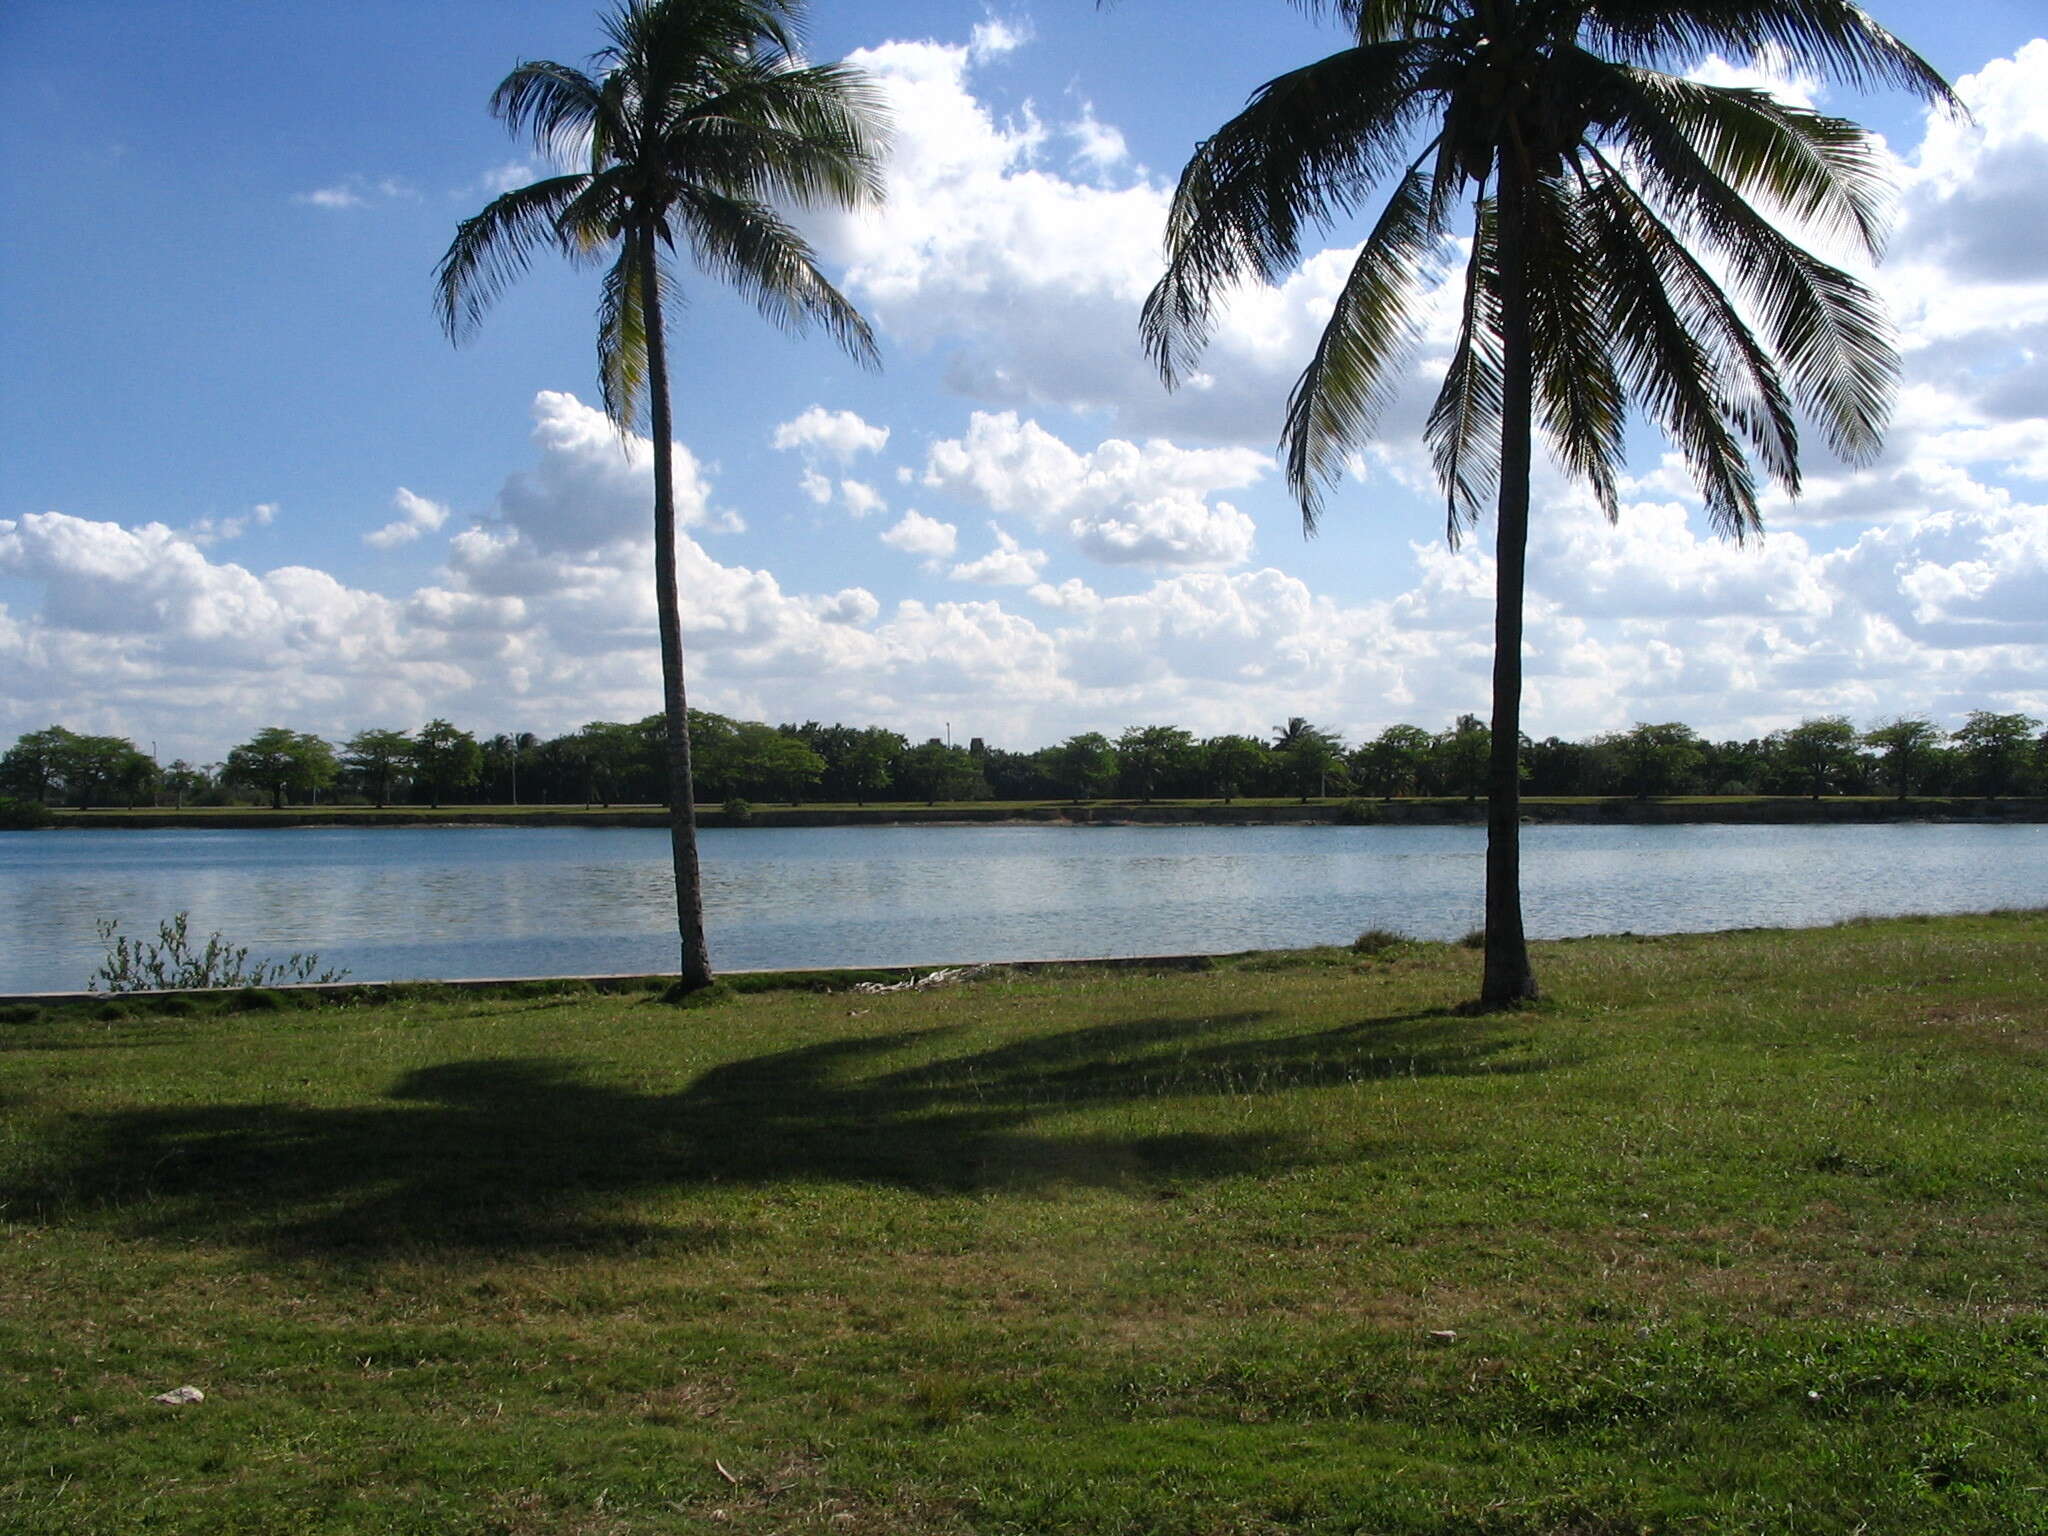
{"points": [[1373, 21], [1746, 378], [811, 136], [496, 246], [1580, 400], [1463, 429], [1351, 375], [595, 219], [1835, 39], [1306, 151], [1828, 328], [672, 44], [556, 106], [622, 337], [613, 134], [749, 245], [700, 115], [1822, 170], [1670, 373]]}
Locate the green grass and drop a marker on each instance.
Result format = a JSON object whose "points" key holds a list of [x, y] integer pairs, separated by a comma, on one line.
{"points": [[1736, 1233]]}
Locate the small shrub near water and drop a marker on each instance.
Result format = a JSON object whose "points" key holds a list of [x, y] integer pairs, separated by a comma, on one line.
{"points": [[738, 812], [23, 815], [1475, 938], [1358, 813], [170, 963]]}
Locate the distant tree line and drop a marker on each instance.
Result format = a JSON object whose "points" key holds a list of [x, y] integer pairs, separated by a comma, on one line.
{"points": [[746, 761]]}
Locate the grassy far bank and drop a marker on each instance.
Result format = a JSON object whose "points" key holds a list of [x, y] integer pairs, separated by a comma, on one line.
{"points": [[1740, 1232], [1365, 809]]}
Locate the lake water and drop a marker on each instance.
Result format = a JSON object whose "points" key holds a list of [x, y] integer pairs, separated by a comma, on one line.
{"points": [[390, 903]]}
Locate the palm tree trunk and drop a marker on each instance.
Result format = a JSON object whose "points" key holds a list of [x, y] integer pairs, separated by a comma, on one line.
{"points": [[682, 798], [1507, 978]]}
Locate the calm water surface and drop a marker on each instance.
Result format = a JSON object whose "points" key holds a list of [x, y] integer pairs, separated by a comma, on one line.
{"points": [[482, 901]]}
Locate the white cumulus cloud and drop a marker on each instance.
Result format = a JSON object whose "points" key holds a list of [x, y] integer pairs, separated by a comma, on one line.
{"points": [[1009, 564], [416, 516], [925, 537], [1122, 503], [840, 434]]}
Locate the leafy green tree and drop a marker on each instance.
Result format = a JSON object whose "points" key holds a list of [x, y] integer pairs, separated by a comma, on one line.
{"points": [[935, 772], [183, 781], [1997, 750], [870, 761], [1660, 759], [1560, 767], [1083, 766], [1150, 753], [553, 772], [1017, 775], [1233, 763], [88, 766], [1624, 253], [444, 758], [135, 775], [1738, 767], [376, 757], [1392, 762], [277, 759], [715, 738], [1461, 758], [609, 750], [1821, 752], [30, 767], [1909, 744], [773, 764], [701, 119]]}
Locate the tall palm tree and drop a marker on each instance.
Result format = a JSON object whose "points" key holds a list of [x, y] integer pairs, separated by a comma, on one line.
{"points": [[697, 118], [1623, 255]]}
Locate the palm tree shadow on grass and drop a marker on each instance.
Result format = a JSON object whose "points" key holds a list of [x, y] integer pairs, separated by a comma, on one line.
{"points": [[520, 1155]]}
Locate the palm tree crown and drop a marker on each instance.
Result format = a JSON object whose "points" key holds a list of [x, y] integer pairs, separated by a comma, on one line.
{"points": [[1623, 255], [699, 118], [1640, 228]]}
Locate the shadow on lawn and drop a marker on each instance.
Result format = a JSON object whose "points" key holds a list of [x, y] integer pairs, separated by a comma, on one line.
{"points": [[519, 1155]]}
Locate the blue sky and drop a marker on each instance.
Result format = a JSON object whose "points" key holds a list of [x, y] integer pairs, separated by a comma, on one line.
{"points": [[247, 481]]}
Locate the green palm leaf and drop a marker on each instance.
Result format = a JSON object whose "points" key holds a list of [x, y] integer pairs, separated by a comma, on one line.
{"points": [[1350, 378], [754, 250], [1304, 152], [1580, 400], [1463, 429], [496, 247], [1835, 39]]}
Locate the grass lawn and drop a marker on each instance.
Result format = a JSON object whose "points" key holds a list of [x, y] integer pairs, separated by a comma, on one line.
{"points": [[1744, 1232]]}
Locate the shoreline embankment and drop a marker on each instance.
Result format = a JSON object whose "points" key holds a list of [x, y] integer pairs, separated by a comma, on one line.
{"points": [[1604, 811]]}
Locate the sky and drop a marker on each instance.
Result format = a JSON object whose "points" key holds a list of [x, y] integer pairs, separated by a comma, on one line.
{"points": [[245, 480]]}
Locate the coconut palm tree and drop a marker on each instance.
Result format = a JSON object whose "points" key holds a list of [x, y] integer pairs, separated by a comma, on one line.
{"points": [[696, 120], [1624, 254]]}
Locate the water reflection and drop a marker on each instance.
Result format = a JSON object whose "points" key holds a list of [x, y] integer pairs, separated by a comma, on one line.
{"points": [[448, 901]]}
